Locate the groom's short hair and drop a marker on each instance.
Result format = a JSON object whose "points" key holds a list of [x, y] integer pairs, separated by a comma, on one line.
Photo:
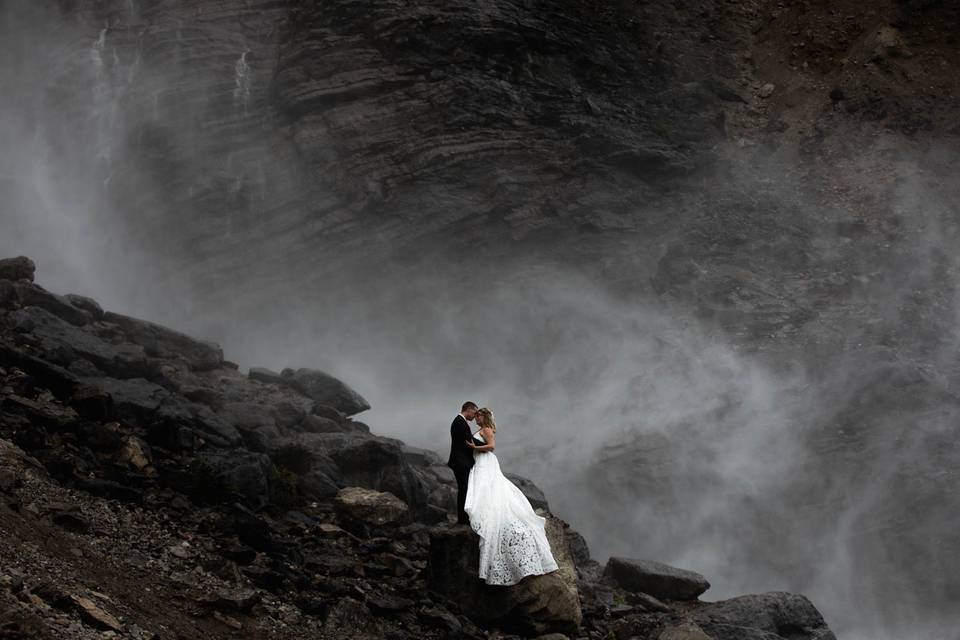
{"points": [[469, 405]]}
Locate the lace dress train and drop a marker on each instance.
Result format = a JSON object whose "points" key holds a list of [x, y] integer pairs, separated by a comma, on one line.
{"points": [[513, 539]]}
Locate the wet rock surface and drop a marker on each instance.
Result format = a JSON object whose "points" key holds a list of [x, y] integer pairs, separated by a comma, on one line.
{"points": [[193, 500], [655, 578]]}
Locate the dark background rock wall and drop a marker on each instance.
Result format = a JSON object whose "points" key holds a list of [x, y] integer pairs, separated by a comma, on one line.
{"points": [[699, 256]]}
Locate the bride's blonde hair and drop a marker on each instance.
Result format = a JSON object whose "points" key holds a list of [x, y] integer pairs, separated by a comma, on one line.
{"points": [[488, 420]]}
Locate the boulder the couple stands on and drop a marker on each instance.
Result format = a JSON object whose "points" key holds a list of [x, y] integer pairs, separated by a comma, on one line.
{"points": [[278, 492]]}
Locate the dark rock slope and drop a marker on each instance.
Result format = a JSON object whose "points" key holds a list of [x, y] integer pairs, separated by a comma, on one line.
{"points": [[148, 489]]}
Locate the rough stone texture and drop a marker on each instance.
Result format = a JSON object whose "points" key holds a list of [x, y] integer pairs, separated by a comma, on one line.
{"points": [[325, 389], [162, 342], [536, 605], [19, 268], [761, 617], [375, 508], [376, 463], [684, 631], [61, 306], [421, 457], [262, 374], [62, 343], [655, 578]]}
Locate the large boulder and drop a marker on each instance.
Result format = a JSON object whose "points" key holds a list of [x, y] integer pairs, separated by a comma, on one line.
{"points": [[134, 400], [370, 507], [19, 268], [161, 342], [46, 374], [776, 614], [325, 389], [655, 578], [375, 463], [536, 605], [60, 306], [60, 342], [223, 476]]}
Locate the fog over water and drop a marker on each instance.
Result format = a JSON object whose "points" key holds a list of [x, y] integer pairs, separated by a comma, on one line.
{"points": [[651, 430]]}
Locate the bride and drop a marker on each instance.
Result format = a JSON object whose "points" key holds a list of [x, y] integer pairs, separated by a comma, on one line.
{"points": [[513, 540]]}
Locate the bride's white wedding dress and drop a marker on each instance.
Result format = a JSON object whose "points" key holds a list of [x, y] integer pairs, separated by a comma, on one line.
{"points": [[513, 539]]}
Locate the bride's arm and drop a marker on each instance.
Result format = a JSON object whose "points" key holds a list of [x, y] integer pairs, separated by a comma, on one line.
{"points": [[491, 439]]}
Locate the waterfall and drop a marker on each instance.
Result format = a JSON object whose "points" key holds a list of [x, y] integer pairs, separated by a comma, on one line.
{"points": [[96, 51], [241, 92]]}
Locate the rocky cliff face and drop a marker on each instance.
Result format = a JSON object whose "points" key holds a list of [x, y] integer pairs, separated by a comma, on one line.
{"points": [[151, 490]]}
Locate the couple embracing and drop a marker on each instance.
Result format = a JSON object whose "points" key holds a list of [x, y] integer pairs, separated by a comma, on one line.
{"points": [[513, 540]]}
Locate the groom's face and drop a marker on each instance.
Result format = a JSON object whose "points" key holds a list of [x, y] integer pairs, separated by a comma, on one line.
{"points": [[471, 414]]}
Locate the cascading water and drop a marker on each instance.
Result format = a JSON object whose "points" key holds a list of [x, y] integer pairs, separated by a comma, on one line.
{"points": [[241, 92]]}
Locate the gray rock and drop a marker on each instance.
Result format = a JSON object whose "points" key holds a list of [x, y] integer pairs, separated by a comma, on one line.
{"points": [[445, 497], [19, 268], [161, 342], [776, 614], [578, 547], [8, 294], [443, 473], [204, 418], [317, 424], [685, 630], [61, 342], [87, 304], [60, 306], [536, 605], [248, 415], [421, 457], [349, 618], [655, 578], [326, 390], [288, 414], [374, 508], [375, 463], [328, 412], [135, 400], [220, 476], [261, 374], [47, 374]]}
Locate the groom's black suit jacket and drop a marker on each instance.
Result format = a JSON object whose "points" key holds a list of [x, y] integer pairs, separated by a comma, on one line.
{"points": [[461, 456]]}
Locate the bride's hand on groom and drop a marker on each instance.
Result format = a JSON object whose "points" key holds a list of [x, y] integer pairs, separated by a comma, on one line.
{"points": [[471, 444]]}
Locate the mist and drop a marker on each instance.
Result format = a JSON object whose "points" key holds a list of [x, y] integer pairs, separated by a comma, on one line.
{"points": [[763, 462]]}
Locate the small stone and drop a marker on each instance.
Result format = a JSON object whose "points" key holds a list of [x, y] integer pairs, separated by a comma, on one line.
{"points": [[238, 600], [182, 551], [93, 615], [133, 452], [767, 90], [233, 623]]}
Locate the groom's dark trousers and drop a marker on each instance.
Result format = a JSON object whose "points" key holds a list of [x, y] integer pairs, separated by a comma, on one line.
{"points": [[461, 461]]}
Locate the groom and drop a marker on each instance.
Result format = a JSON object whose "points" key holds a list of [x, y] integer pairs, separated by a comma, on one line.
{"points": [[461, 456]]}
